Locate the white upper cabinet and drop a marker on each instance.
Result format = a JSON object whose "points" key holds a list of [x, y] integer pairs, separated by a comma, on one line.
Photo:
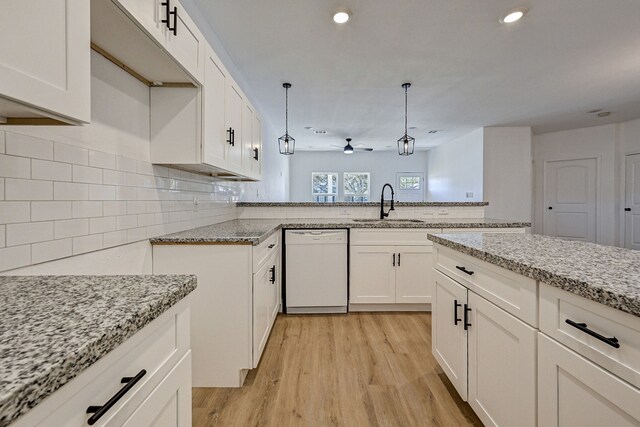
{"points": [[214, 145], [233, 117], [247, 137], [256, 147], [149, 14], [184, 41], [45, 60]]}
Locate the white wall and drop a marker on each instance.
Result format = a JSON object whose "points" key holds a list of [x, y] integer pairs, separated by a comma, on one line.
{"points": [[455, 168], [507, 172], [598, 142], [382, 165]]}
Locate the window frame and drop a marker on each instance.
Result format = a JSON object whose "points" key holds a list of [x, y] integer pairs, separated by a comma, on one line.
{"points": [[361, 196], [326, 196]]}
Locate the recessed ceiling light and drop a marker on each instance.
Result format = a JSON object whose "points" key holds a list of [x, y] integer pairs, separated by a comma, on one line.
{"points": [[604, 114], [341, 16], [513, 16], [308, 127], [320, 132]]}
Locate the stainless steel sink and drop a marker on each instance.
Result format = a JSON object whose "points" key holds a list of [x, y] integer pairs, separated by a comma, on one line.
{"points": [[388, 220]]}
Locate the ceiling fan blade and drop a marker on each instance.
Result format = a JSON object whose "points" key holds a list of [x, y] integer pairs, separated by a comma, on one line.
{"points": [[364, 149], [337, 146]]}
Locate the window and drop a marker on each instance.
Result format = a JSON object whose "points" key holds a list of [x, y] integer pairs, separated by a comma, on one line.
{"points": [[356, 186], [410, 186], [324, 186]]}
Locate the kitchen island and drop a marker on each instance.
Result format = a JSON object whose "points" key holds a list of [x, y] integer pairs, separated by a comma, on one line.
{"points": [[65, 342], [548, 325]]}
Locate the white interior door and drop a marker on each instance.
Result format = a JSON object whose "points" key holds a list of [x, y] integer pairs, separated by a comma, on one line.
{"points": [[410, 186], [570, 199], [632, 202]]}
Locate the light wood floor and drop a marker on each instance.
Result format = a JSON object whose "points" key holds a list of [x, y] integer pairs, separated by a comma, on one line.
{"points": [[367, 369]]}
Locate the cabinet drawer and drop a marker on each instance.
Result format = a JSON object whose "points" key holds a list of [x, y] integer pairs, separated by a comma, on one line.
{"points": [[264, 250], [557, 306], [156, 349], [380, 237], [572, 391], [512, 292]]}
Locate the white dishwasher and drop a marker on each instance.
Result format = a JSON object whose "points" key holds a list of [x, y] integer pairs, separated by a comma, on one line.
{"points": [[316, 271]]}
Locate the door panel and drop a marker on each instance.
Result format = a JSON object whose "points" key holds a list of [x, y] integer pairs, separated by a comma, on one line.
{"points": [[449, 340], [187, 46], [414, 274], [570, 199], [247, 137], [502, 366], [632, 202], [256, 143], [214, 145], [233, 117], [372, 275]]}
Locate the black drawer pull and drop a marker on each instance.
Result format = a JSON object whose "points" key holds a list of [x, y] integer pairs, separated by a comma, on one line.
{"points": [[230, 138], [627, 209], [271, 246], [466, 317], [255, 154], [398, 259], [464, 270], [175, 21], [167, 11], [455, 311], [394, 260], [273, 274], [613, 342], [99, 411]]}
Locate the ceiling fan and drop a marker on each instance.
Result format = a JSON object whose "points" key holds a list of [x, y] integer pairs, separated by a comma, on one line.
{"points": [[349, 149]]}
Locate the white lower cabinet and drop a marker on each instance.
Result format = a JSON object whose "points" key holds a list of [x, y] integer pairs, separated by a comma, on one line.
{"points": [[449, 335], [573, 391], [502, 366], [234, 305], [390, 267]]}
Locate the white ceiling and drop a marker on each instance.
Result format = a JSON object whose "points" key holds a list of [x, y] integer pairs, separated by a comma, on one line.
{"points": [[564, 58]]}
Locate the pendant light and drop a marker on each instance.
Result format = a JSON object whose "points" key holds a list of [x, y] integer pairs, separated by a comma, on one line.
{"points": [[407, 143], [286, 143], [348, 149]]}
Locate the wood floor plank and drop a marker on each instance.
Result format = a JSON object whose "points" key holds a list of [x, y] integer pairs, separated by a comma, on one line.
{"points": [[359, 369]]}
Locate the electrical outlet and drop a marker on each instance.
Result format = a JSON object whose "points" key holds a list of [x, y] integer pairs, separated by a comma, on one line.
{"points": [[428, 212], [196, 204], [345, 212], [470, 195]]}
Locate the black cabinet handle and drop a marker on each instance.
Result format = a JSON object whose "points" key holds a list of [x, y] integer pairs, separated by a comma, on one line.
{"points": [[167, 11], [398, 259], [230, 139], [627, 209], [466, 317], [255, 154], [550, 208], [175, 21], [394, 260], [464, 270], [99, 411], [455, 311], [271, 246], [273, 274], [613, 342]]}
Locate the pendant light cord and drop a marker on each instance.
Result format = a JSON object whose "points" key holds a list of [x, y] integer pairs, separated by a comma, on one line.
{"points": [[286, 111], [405, 110]]}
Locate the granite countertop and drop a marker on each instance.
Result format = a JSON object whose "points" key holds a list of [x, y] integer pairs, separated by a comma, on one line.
{"points": [[54, 327], [255, 231], [355, 204], [605, 274]]}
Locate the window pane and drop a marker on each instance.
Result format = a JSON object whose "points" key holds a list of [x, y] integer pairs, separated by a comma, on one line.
{"points": [[409, 183], [356, 183]]}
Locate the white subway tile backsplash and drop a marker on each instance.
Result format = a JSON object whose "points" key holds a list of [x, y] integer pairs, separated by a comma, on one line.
{"points": [[50, 171], [15, 167], [112, 177], [86, 209], [102, 160], [87, 175], [26, 189], [47, 211], [13, 212], [29, 232], [28, 146], [71, 228], [70, 191], [87, 244], [117, 207], [14, 257], [69, 154], [47, 251], [102, 192], [63, 200], [103, 224], [126, 222]]}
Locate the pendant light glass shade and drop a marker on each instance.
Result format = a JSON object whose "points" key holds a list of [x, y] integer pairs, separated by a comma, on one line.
{"points": [[407, 143], [286, 143]]}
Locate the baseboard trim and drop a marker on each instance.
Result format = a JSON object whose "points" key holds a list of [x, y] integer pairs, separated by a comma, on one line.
{"points": [[389, 307]]}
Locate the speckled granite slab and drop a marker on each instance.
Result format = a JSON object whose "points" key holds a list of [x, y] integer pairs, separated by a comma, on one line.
{"points": [[605, 274], [54, 327], [255, 231], [354, 204]]}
